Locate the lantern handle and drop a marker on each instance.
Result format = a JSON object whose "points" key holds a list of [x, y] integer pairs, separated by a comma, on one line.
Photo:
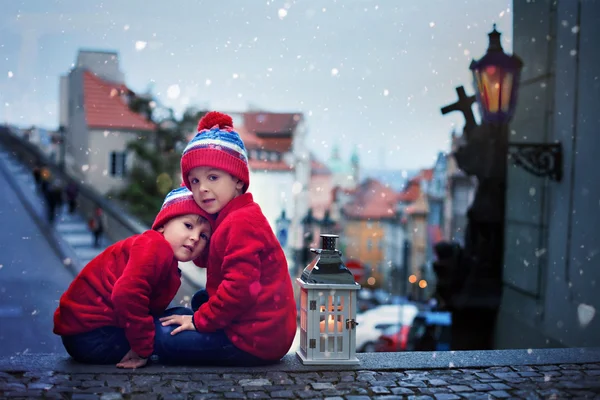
{"points": [[320, 251]]}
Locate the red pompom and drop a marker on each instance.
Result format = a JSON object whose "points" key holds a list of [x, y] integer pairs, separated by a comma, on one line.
{"points": [[214, 118]]}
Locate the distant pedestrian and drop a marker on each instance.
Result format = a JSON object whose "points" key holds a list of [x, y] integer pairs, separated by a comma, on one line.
{"points": [[37, 175], [46, 178], [96, 224], [71, 192], [53, 196]]}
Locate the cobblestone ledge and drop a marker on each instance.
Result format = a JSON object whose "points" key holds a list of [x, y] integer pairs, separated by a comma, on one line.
{"points": [[533, 374]]}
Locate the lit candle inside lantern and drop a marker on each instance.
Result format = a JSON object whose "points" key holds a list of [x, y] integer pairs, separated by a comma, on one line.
{"points": [[331, 325]]}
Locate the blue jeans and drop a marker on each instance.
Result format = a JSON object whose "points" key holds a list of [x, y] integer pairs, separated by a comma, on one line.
{"points": [[198, 348], [106, 345]]}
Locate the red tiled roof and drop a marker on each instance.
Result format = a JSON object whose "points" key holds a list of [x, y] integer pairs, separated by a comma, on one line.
{"points": [[262, 165], [427, 174], [372, 200], [104, 107], [411, 193], [253, 142], [271, 124], [318, 168], [281, 145]]}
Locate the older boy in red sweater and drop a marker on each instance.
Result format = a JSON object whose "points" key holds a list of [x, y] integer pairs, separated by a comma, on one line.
{"points": [[106, 316], [249, 317]]}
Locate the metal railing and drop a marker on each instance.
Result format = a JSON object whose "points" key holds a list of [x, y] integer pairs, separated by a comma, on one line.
{"points": [[119, 223]]}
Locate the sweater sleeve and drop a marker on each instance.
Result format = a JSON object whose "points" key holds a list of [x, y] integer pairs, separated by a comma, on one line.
{"points": [[240, 286], [148, 258]]}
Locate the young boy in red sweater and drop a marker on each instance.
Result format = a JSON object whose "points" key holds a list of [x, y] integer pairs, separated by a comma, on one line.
{"points": [[249, 315], [106, 314]]}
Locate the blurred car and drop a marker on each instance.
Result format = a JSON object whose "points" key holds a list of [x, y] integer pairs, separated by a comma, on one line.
{"points": [[371, 323], [430, 331], [393, 338]]}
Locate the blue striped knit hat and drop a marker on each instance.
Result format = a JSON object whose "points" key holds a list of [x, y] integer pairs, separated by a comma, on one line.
{"points": [[178, 202], [216, 145]]}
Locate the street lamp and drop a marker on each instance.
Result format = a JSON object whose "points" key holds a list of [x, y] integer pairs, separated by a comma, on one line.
{"points": [[470, 277], [63, 145], [496, 76], [282, 226], [327, 224]]}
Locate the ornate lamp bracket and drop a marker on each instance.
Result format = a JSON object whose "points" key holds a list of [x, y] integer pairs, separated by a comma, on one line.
{"points": [[540, 159]]}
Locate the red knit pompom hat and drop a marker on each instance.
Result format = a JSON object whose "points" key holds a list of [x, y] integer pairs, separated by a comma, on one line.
{"points": [[216, 145], [179, 202]]}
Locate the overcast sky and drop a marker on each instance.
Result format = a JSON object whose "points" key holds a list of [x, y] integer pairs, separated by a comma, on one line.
{"points": [[365, 73]]}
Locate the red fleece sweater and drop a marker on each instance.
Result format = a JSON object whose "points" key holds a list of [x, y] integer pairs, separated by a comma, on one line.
{"points": [[123, 286], [249, 286]]}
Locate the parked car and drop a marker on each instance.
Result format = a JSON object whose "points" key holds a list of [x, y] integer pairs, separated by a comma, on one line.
{"points": [[371, 323], [430, 331], [393, 338]]}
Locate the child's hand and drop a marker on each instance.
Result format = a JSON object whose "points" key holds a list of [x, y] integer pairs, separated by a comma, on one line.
{"points": [[132, 360], [185, 322]]}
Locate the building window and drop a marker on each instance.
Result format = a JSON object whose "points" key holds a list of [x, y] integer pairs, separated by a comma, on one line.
{"points": [[118, 163]]}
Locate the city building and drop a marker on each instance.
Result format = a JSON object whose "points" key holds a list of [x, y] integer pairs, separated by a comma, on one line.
{"points": [[551, 275], [364, 228], [97, 120], [460, 190]]}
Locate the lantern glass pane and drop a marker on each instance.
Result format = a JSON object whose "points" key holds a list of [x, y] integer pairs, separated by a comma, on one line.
{"points": [[480, 89], [491, 79], [506, 95], [332, 314]]}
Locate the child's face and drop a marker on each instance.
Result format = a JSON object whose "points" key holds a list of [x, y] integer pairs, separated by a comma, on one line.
{"points": [[187, 235], [213, 188]]}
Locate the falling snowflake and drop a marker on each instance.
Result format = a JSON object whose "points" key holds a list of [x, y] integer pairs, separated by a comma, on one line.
{"points": [[585, 314], [208, 82], [173, 91], [10, 74], [282, 13], [386, 92], [334, 71], [140, 45]]}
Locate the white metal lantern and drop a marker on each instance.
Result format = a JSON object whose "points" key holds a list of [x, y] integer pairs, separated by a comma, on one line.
{"points": [[327, 309]]}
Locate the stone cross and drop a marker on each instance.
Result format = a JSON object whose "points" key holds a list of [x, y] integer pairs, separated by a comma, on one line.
{"points": [[463, 105]]}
